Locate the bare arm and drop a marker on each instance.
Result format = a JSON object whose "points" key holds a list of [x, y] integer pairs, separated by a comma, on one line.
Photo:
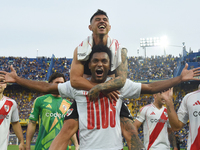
{"points": [[175, 123], [155, 87], [76, 75], [75, 141], [172, 138], [39, 86], [130, 133], [137, 124], [30, 132], [18, 131], [61, 141]]}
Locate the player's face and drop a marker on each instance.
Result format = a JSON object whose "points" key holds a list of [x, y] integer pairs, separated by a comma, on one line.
{"points": [[99, 66], [100, 25], [58, 80], [159, 98], [2, 85]]}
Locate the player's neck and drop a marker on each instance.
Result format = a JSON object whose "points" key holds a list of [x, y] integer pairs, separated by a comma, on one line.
{"points": [[1, 96], [159, 106], [100, 39]]}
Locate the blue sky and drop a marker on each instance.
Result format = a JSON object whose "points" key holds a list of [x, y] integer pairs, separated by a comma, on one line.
{"points": [[57, 27]]}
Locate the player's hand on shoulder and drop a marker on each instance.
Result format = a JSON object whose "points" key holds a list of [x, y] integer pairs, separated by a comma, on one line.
{"points": [[113, 95]]}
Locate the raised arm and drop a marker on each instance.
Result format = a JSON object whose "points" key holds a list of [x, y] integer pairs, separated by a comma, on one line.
{"points": [[40, 86], [155, 87], [76, 75], [175, 123]]}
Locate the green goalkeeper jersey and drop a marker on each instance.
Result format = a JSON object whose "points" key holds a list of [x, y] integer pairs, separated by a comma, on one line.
{"points": [[50, 111]]}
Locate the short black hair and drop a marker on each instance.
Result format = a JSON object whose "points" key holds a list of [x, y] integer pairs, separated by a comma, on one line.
{"points": [[56, 75], [98, 12], [100, 48]]}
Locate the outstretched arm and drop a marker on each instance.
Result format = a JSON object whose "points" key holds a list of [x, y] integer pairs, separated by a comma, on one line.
{"points": [[40, 86], [186, 75], [18, 131]]}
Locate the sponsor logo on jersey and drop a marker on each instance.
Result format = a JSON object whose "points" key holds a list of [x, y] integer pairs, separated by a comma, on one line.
{"points": [[4, 116], [69, 112], [196, 113], [153, 113], [6, 107], [158, 120], [55, 115], [196, 103]]}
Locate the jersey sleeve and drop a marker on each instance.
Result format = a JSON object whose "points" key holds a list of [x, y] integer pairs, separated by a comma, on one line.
{"points": [[131, 89], [15, 113], [182, 113], [65, 90], [141, 115], [35, 110]]}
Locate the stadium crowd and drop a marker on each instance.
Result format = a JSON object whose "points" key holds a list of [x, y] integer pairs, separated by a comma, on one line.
{"points": [[139, 68]]}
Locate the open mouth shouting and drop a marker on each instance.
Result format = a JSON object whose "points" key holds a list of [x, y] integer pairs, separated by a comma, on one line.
{"points": [[99, 72]]}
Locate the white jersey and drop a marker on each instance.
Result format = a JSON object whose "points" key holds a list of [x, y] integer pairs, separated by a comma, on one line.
{"points": [[8, 113], [155, 123], [190, 110], [99, 122]]}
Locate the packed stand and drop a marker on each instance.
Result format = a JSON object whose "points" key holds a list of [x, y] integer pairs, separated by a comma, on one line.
{"points": [[62, 65], [155, 67]]}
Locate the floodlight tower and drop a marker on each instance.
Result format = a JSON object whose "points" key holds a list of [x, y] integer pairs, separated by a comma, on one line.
{"points": [[149, 42]]}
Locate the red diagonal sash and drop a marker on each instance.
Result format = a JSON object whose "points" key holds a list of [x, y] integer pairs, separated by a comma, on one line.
{"points": [[4, 111], [158, 128], [196, 145]]}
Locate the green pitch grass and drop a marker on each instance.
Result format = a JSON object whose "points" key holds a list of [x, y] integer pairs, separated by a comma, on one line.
{"points": [[15, 147]]}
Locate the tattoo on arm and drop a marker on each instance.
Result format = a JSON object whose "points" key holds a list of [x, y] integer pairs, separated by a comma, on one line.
{"points": [[168, 108], [121, 75], [136, 143], [172, 139], [76, 119]]}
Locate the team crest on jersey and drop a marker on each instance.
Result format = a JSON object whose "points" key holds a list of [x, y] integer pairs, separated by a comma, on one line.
{"points": [[166, 114], [6, 107], [64, 107], [69, 112]]}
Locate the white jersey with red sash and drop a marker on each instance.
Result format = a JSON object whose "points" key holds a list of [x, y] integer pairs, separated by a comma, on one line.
{"points": [[99, 121], [8, 113], [190, 109], [155, 124]]}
